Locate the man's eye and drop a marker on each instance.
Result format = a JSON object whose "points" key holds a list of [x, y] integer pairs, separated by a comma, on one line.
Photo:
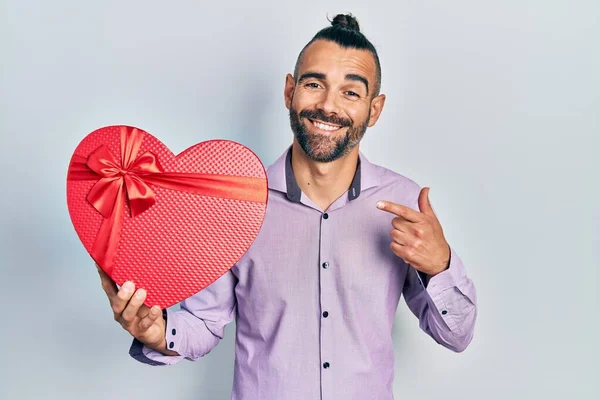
{"points": [[312, 85], [351, 93]]}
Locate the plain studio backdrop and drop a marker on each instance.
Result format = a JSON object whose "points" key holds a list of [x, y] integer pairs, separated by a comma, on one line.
{"points": [[494, 105]]}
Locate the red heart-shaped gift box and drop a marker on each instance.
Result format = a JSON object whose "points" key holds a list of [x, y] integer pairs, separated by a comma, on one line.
{"points": [[171, 224]]}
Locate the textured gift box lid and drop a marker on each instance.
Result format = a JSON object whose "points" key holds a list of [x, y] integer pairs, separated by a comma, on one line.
{"points": [[185, 241]]}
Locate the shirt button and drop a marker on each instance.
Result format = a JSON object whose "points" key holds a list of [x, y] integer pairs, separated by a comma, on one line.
{"points": [[171, 345], [325, 314], [326, 365], [444, 312], [325, 216], [325, 265], [174, 332]]}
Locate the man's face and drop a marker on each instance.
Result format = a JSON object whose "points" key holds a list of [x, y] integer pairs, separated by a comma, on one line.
{"points": [[331, 103]]}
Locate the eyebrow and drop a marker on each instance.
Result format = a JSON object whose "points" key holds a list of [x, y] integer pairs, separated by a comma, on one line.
{"points": [[358, 78], [321, 76], [314, 75]]}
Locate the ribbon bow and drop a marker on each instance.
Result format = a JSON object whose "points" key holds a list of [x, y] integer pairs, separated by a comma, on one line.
{"points": [[128, 180], [115, 174]]}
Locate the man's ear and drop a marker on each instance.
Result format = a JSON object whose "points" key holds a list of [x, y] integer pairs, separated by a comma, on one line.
{"points": [[288, 91], [376, 108]]}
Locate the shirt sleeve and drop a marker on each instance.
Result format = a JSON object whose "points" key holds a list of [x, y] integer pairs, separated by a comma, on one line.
{"points": [[195, 329], [445, 304]]}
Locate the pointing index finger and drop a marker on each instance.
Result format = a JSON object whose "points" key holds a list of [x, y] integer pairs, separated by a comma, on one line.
{"points": [[401, 211]]}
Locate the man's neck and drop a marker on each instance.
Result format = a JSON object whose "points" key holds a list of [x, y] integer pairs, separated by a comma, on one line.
{"points": [[323, 183]]}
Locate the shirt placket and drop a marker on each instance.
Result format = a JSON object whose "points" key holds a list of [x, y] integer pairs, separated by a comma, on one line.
{"points": [[326, 290]]}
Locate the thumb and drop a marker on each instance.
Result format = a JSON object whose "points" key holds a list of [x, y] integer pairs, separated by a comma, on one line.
{"points": [[424, 203]]}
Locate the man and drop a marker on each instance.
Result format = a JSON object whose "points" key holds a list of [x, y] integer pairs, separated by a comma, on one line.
{"points": [[314, 298]]}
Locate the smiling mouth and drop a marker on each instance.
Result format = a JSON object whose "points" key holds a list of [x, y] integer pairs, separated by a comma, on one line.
{"points": [[323, 126]]}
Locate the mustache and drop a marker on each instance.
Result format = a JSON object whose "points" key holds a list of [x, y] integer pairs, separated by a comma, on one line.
{"points": [[318, 114]]}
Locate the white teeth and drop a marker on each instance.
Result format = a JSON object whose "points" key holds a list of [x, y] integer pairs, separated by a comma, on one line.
{"points": [[325, 127]]}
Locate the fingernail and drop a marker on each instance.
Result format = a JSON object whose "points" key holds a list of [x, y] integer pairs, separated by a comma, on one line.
{"points": [[140, 293], [380, 205], [127, 287]]}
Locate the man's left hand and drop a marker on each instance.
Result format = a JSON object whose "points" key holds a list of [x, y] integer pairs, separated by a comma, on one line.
{"points": [[417, 237]]}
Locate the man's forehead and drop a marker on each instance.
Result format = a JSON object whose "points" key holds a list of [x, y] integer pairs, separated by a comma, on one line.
{"points": [[323, 55]]}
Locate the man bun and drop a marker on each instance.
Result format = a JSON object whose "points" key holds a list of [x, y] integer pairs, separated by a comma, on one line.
{"points": [[346, 21]]}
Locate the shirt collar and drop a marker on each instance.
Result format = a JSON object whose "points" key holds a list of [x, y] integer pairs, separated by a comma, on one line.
{"points": [[281, 177]]}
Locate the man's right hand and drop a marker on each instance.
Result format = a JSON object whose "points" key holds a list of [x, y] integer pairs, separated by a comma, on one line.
{"points": [[143, 323]]}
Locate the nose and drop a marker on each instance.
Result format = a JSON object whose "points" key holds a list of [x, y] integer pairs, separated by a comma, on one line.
{"points": [[329, 103]]}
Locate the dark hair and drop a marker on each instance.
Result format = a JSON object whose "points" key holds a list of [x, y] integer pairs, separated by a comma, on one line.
{"points": [[345, 31]]}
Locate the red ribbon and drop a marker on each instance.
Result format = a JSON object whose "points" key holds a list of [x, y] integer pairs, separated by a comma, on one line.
{"points": [[128, 179]]}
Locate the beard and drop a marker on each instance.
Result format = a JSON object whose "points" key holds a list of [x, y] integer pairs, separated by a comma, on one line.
{"points": [[326, 148]]}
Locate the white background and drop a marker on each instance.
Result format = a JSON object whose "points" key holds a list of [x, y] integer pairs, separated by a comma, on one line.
{"points": [[494, 105]]}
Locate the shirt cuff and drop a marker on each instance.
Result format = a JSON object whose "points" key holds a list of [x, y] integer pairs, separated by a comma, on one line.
{"points": [[444, 289], [449, 278], [146, 355]]}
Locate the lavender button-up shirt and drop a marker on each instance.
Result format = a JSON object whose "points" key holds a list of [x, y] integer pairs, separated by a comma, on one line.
{"points": [[314, 297]]}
